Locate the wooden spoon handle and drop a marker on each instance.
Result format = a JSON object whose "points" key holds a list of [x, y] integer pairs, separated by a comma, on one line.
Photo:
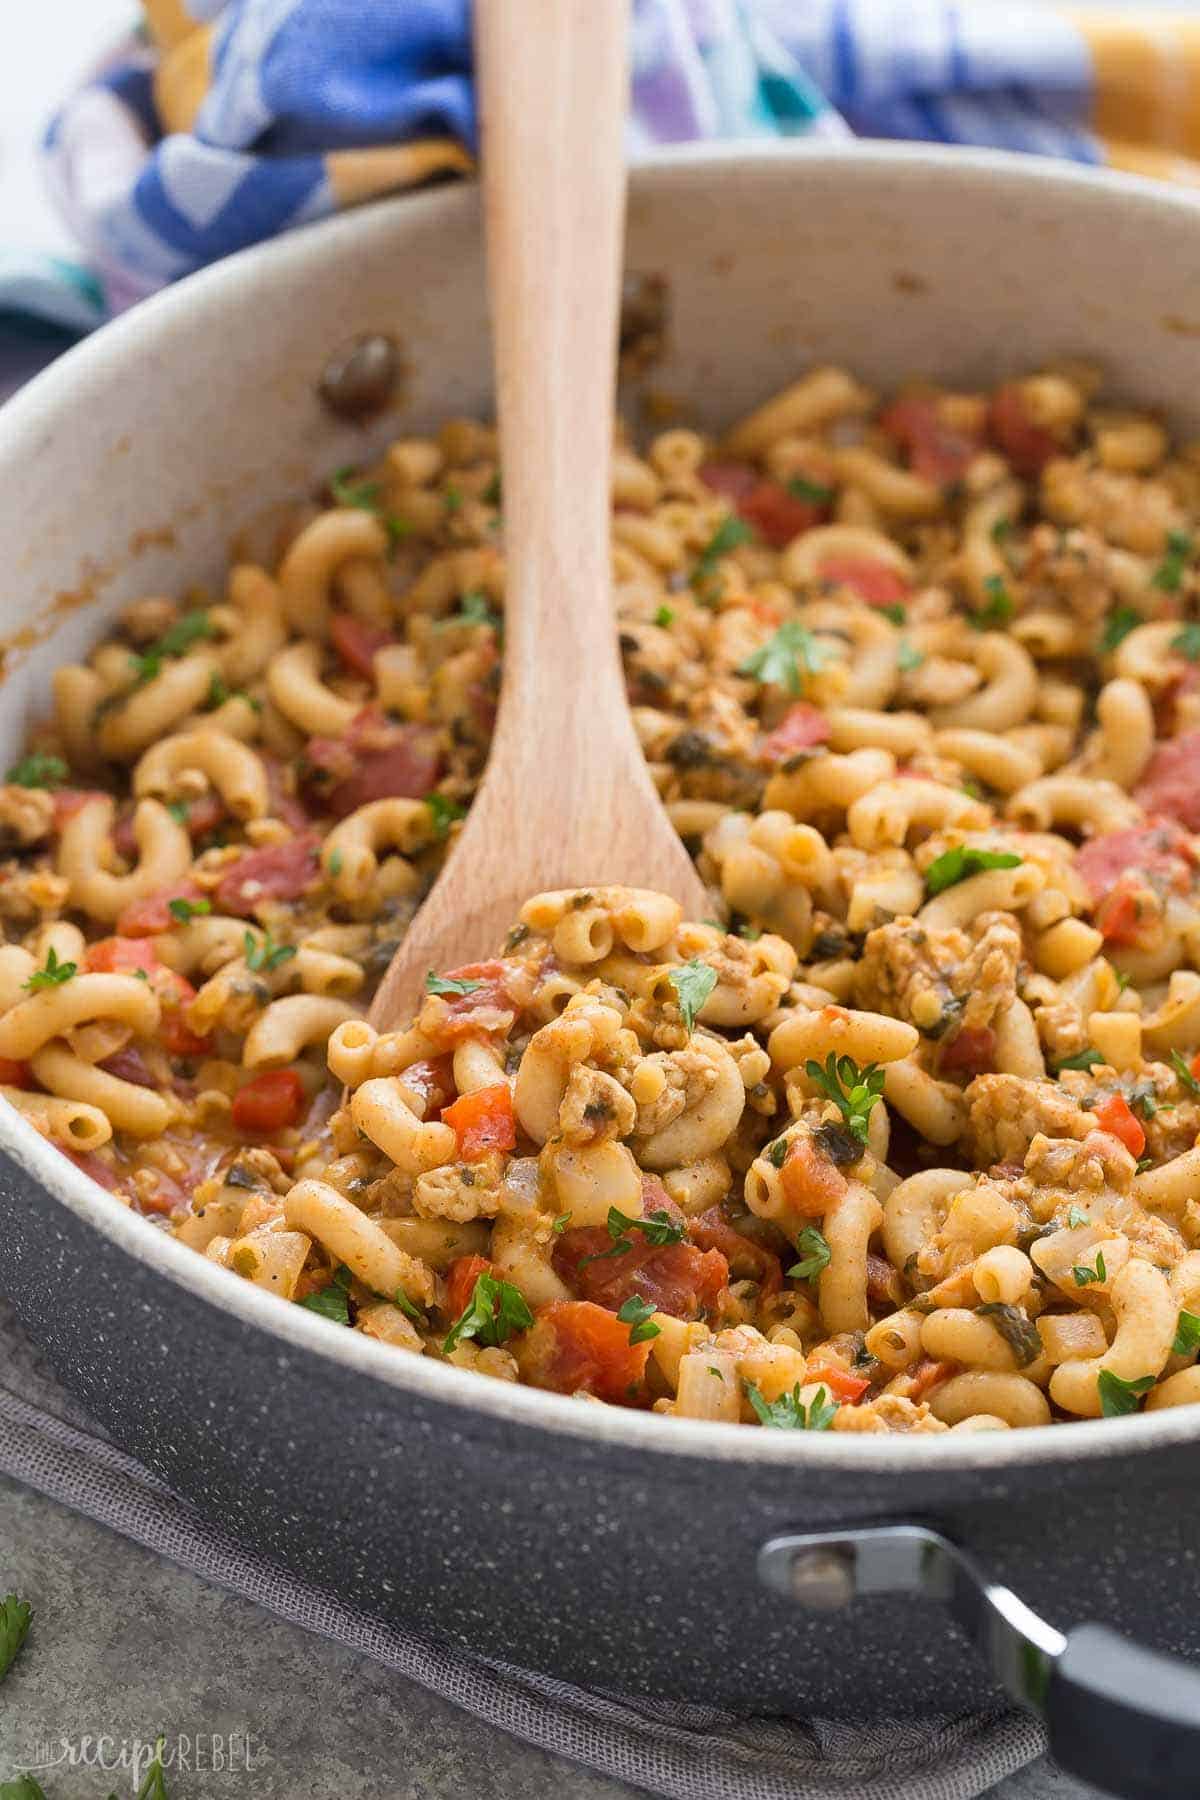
{"points": [[553, 87]]}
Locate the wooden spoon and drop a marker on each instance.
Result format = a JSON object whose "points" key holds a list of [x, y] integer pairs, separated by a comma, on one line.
{"points": [[566, 799]]}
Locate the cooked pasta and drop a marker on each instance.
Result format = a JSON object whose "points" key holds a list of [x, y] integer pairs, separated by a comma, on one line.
{"points": [[904, 1137]]}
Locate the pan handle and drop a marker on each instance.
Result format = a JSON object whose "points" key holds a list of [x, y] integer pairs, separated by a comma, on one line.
{"points": [[1124, 1718]]}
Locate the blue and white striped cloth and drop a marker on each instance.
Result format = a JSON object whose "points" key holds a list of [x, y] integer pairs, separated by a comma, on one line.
{"points": [[222, 122]]}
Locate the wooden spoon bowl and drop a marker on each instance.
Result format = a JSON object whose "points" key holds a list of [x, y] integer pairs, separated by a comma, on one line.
{"points": [[566, 799]]}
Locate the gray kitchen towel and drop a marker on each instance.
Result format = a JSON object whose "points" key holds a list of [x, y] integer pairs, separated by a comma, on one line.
{"points": [[687, 1752]]}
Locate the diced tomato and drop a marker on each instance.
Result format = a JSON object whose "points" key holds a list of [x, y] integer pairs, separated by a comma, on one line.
{"points": [[203, 814], [1115, 1115], [872, 580], [1171, 783], [461, 1277], [357, 642], [124, 842], [801, 728], [746, 1259], [278, 872], [970, 1052], [122, 955], [95, 1166], [1027, 447], [144, 918], [15, 1074], [935, 450], [1194, 1065], [270, 1102], [681, 1279], [69, 801], [927, 1375], [733, 479], [840, 1382], [433, 1080], [1122, 917], [375, 760], [176, 1036], [483, 1121], [1159, 848], [469, 1014], [575, 1347], [778, 516], [811, 1183]]}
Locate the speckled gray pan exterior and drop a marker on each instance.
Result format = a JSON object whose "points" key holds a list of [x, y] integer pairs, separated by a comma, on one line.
{"points": [[608, 1547]]}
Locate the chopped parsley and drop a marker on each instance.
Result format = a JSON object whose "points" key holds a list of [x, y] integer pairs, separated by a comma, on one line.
{"points": [[452, 499], [494, 1312], [14, 1625], [365, 497], [638, 1314], [336, 864], [801, 488], [789, 1412], [658, 1229], [179, 812], [776, 1153], [331, 1302], [38, 772], [492, 492], [815, 1254], [693, 982], [1117, 1397], [897, 614], [560, 1224], [406, 1306], [1001, 531], [1187, 1333], [999, 608], [853, 1091], [908, 657], [1120, 622], [177, 640], [1076, 1216], [787, 658], [443, 812], [268, 955], [961, 863], [445, 984], [1184, 1073], [218, 693], [1082, 1059], [1187, 642], [183, 910], [53, 975], [1084, 1276], [729, 534], [1168, 577], [475, 609], [664, 616]]}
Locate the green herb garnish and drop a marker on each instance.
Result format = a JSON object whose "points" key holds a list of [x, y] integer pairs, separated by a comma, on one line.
{"points": [[1117, 1397], [177, 640], [494, 1312], [776, 1153], [406, 1306], [1184, 1073], [1187, 642], [729, 534], [443, 812], [1120, 622], [183, 910], [908, 657], [443, 984], [1083, 1275], [664, 616], [452, 498], [853, 1091], [693, 982], [999, 608], [801, 488], [38, 772], [1082, 1059], [1187, 1333], [53, 975], [1002, 531], [14, 1625], [815, 1254], [638, 1314], [265, 956], [961, 863], [492, 492], [658, 1228], [1076, 1216], [560, 1224], [789, 1412], [787, 658], [1168, 577], [329, 1303], [365, 497]]}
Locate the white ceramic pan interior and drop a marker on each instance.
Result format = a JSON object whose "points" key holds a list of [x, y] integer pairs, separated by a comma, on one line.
{"points": [[130, 466]]}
